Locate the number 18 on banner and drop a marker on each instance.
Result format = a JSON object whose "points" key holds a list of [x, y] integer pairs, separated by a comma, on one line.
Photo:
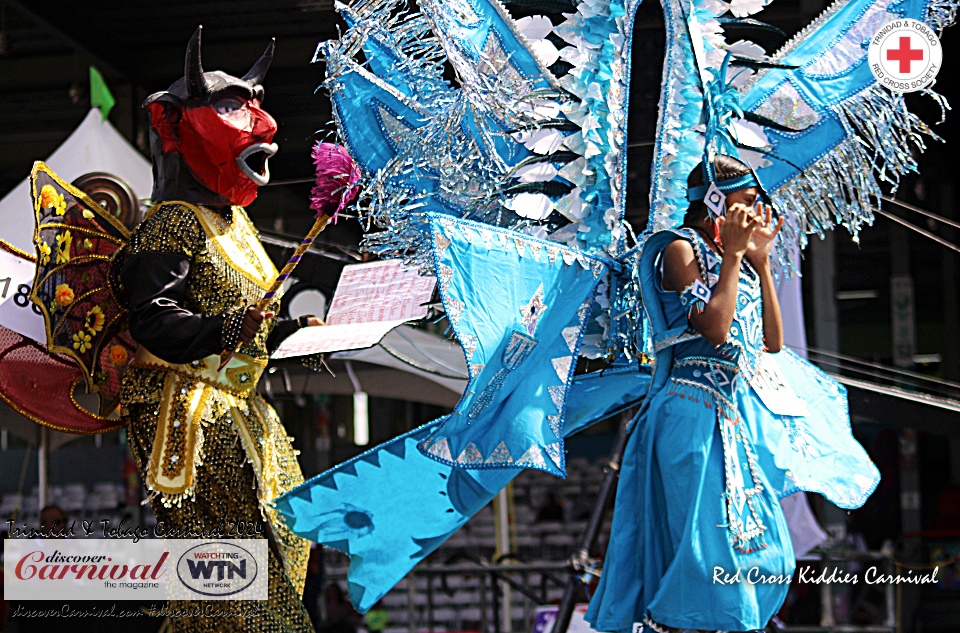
{"points": [[17, 312]]}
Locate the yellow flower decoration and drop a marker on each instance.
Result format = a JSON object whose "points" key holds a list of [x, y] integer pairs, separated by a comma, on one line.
{"points": [[63, 247], [119, 355], [44, 250], [50, 199], [87, 244], [63, 295], [94, 320], [81, 341]]}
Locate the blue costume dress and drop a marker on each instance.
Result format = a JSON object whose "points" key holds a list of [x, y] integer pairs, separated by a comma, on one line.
{"points": [[699, 539]]}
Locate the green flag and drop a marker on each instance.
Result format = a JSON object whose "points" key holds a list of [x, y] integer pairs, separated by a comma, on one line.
{"points": [[100, 96]]}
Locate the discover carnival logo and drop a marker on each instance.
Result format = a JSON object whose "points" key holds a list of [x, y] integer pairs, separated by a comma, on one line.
{"points": [[144, 569], [38, 565], [217, 569], [905, 55]]}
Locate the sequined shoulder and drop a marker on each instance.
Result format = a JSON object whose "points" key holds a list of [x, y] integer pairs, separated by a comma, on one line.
{"points": [[169, 228]]}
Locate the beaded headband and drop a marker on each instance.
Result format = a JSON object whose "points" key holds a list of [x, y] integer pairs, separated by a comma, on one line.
{"points": [[726, 186]]}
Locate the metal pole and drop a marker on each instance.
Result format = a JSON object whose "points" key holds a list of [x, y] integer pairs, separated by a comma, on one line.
{"points": [[411, 600], [826, 603], [502, 516], [496, 603], [484, 627], [826, 325], [430, 603], [891, 616], [589, 537], [903, 320], [826, 322], [951, 330], [43, 463]]}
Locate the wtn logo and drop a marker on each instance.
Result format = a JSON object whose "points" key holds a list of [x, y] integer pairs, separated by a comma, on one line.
{"points": [[218, 569], [224, 569]]}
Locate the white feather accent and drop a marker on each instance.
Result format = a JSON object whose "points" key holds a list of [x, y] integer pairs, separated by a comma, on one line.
{"points": [[750, 134], [533, 206], [743, 8], [745, 48], [545, 51], [572, 206], [535, 27], [543, 141], [538, 172]]}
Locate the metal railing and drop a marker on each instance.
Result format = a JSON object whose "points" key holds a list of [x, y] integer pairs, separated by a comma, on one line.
{"points": [[420, 615]]}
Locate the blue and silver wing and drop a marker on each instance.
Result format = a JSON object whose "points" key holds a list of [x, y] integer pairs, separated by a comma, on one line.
{"points": [[855, 133], [811, 119], [392, 506], [506, 184]]}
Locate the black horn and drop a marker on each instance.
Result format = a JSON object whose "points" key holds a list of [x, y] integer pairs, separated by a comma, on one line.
{"points": [[193, 68], [256, 74]]}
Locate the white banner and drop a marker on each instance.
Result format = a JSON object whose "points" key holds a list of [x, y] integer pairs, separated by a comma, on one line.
{"points": [[144, 569], [17, 312]]}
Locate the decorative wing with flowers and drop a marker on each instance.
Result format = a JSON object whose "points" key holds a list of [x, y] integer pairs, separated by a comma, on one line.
{"points": [[77, 243]]}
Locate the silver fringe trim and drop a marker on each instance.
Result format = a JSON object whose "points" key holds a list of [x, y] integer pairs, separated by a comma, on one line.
{"points": [[843, 187]]}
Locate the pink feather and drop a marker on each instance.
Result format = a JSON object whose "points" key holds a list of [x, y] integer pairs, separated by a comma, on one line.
{"points": [[337, 177]]}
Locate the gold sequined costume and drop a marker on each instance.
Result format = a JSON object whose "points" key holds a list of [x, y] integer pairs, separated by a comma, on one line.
{"points": [[211, 451]]}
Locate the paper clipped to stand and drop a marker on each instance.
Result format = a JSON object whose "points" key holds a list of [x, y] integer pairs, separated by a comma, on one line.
{"points": [[371, 300]]}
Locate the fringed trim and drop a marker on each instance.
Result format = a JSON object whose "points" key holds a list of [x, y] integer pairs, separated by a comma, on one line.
{"points": [[459, 159], [695, 297], [466, 172], [208, 414], [656, 627], [746, 529], [465, 168], [702, 394], [627, 323], [178, 444], [743, 520], [417, 53], [678, 149], [843, 187], [941, 14]]}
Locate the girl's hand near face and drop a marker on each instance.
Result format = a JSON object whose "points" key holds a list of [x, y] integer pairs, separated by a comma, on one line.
{"points": [[761, 240], [737, 228]]}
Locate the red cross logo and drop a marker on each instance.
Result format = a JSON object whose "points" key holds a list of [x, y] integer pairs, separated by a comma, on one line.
{"points": [[905, 54], [894, 48]]}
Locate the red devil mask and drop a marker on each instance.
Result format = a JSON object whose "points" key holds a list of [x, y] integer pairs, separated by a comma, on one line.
{"points": [[211, 125]]}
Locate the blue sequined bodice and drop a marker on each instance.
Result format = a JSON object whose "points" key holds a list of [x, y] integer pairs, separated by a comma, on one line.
{"points": [[745, 339]]}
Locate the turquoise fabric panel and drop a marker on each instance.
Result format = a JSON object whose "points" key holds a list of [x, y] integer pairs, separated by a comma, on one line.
{"points": [[391, 507]]}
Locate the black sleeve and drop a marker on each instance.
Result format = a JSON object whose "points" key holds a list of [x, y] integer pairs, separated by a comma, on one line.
{"points": [[283, 328], [156, 284]]}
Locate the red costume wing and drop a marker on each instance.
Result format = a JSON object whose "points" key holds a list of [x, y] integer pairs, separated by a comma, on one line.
{"points": [[39, 386], [75, 287]]}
